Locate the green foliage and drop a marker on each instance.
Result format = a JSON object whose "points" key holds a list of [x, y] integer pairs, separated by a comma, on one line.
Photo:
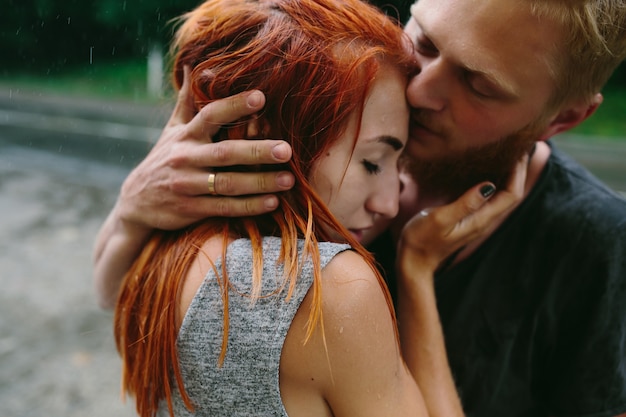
{"points": [[608, 121], [50, 36], [396, 9], [124, 80], [618, 80]]}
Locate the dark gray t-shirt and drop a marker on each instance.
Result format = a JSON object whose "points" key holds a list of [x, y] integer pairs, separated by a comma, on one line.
{"points": [[247, 384]]}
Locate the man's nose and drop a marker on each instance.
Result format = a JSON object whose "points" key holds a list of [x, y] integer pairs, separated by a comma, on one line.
{"points": [[429, 88]]}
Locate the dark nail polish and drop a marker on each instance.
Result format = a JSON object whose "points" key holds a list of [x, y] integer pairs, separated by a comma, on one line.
{"points": [[487, 190]]}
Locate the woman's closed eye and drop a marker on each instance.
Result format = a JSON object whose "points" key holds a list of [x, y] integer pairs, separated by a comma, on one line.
{"points": [[371, 167]]}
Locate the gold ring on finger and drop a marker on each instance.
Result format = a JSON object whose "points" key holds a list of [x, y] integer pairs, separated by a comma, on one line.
{"points": [[212, 184]]}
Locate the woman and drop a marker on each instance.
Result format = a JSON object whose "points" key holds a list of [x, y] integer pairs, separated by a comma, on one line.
{"points": [[282, 314]]}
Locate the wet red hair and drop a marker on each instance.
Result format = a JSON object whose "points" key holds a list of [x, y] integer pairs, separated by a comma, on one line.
{"points": [[315, 61]]}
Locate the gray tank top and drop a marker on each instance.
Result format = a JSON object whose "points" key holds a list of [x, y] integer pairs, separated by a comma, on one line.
{"points": [[247, 384]]}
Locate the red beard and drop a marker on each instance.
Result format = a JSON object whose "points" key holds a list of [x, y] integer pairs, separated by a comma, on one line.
{"points": [[450, 176]]}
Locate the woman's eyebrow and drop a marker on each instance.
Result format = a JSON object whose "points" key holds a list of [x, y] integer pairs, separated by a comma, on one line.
{"points": [[392, 141]]}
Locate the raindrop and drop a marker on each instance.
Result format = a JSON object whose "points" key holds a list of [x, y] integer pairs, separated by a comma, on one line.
{"points": [[90, 55], [69, 20]]}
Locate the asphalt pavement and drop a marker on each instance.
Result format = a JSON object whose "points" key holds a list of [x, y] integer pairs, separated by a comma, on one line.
{"points": [[61, 164], [62, 161]]}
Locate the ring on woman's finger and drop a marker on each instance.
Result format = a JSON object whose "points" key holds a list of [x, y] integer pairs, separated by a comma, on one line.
{"points": [[212, 184]]}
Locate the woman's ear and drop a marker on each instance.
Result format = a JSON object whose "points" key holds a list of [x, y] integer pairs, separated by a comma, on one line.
{"points": [[571, 116]]}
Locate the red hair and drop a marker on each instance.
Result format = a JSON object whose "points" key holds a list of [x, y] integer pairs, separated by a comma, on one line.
{"points": [[315, 61]]}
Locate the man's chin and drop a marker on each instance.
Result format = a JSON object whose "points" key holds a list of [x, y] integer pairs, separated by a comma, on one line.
{"points": [[452, 174]]}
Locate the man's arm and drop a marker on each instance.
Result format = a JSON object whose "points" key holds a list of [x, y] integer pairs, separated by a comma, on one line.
{"points": [[169, 189]]}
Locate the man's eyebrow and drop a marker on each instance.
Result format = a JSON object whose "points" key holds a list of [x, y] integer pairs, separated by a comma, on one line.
{"points": [[392, 141], [506, 89]]}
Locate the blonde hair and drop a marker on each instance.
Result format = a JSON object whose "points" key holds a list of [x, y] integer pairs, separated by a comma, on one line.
{"points": [[592, 47]]}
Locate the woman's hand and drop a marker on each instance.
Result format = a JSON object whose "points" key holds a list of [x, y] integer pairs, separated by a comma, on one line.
{"points": [[434, 234]]}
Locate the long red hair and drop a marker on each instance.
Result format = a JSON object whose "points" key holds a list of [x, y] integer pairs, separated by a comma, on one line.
{"points": [[315, 61]]}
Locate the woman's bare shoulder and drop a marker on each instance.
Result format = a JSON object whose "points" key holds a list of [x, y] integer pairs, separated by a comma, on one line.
{"points": [[354, 353], [348, 281]]}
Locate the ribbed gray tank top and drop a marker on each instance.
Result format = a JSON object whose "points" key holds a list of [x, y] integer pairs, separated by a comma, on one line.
{"points": [[247, 384]]}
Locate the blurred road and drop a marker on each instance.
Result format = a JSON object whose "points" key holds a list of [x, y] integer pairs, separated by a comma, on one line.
{"points": [[57, 355], [605, 158], [61, 164]]}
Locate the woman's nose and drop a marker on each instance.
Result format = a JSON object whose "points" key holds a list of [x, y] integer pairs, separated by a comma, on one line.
{"points": [[385, 199]]}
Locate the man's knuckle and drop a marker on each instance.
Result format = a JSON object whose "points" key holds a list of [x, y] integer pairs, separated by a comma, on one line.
{"points": [[250, 208], [206, 112], [177, 157], [224, 183], [257, 151], [178, 184], [262, 183], [183, 208], [222, 207], [232, 105], [221, 152]]}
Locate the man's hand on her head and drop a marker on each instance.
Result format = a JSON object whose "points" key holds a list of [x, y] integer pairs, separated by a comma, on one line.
{"points": [[169, 189]]}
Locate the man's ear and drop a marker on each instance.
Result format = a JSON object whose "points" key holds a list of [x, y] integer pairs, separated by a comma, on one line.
{"points": [[571, 117]]}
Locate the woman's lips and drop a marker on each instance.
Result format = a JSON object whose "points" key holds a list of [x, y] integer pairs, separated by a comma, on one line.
{"points": [[357, 233]]}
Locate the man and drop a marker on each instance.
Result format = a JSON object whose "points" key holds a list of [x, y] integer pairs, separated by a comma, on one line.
{"points": [[533, 315]]}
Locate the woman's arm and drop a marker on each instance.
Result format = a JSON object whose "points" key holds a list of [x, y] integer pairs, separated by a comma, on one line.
{"points": [[426, 240]]}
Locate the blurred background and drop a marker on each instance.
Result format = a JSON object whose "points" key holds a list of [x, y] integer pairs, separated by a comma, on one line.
{"points": [[83, 95]]}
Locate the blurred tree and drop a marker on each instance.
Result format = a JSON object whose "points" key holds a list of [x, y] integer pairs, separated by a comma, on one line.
{"points": [[46, 36], [619, 77], [397, 9], [143, 23]]}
